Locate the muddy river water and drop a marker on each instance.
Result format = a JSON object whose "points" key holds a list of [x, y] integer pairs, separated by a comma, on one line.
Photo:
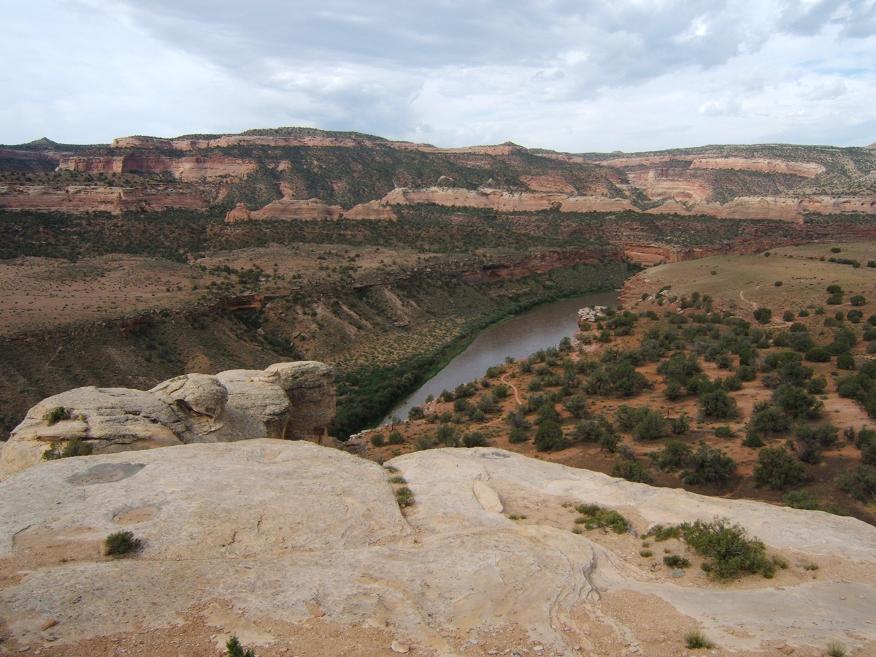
{"points": [[518, 336]]}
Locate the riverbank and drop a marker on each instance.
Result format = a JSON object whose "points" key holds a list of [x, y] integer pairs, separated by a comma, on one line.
{"points": [[517, 336], [367, 394]]}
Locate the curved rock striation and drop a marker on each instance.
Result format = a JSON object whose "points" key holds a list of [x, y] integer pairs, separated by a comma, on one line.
{"points": [[287, 400], [287, 543]]}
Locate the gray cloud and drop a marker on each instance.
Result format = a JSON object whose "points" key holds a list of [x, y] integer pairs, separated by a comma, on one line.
{"points": [[559, 73]]}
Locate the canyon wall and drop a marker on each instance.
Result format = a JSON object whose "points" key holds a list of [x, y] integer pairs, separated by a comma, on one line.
{"points": [[303, 173]]}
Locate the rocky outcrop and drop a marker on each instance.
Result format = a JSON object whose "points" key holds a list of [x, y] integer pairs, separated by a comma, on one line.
{"points": [[554, 184], [288, 400], [188, 168], [370, 210], [238, 213], [759, 164], [775, 208], [78, 199], [291, 544], [651, 254], [504, 201], [287, 209]]}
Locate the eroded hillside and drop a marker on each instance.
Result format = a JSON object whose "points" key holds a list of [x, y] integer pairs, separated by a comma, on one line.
{"points": [[298, 173]]}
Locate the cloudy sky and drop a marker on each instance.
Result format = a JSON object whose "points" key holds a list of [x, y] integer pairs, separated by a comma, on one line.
{"points": [[573, 75]]}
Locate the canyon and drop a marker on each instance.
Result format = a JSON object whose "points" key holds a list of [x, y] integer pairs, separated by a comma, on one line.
{"points": [[298, 173]]}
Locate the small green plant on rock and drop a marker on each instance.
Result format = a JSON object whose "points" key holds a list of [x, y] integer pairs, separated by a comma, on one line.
{"points": [[121, 544], [73, 447], [675, 561], [234, 649], [597, 517], [729, 549], [404, 496], [55, 415], [835, 649], [697, 641]]}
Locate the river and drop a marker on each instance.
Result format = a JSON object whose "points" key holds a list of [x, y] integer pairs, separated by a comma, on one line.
{"points": [[543, 326]]}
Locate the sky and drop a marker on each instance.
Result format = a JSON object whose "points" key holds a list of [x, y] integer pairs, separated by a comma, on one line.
{"points": [[571, 75]]}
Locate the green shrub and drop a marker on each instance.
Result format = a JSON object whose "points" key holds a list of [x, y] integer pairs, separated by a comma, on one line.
{"points": [[577, 405], [796, 402], [675, 561], [777, 468], [801, 499], [416, 413], [718, 405], [234, 649], [396, 438], [518, 435], [598, 430], [845, 361], [549, 437], [723, 432], [377, 440], [860, 483], [474, 439], [708, 466], [404, 496], [631, 470], [818, 355], [446, 435], [835, 649], [697, 641], [75, 447], [664, 533], [55, 415], [651, 425], [763, 315], [728, 548], [120, 544], [858, 300], [598, 517], [673, 456], [679, 425]]}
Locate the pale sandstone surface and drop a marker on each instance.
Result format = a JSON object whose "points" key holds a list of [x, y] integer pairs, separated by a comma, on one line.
{"points": [[287, 400], [760, 164], [265, 538]]}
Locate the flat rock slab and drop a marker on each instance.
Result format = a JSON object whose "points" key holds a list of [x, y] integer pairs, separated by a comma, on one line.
{"points": [[272, 540]]}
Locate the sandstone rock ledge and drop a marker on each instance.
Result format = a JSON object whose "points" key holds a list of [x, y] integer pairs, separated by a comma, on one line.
{"points": [[287, 400], [300, 549]]}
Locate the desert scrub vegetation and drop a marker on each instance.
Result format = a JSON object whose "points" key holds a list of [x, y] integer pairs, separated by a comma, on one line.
{"points": [[55, 415], [75, 447], [728, 549], [233, 648], [778, 469], [675, 561], [404, 496], [121, 544], [697, 641], [594, 516]]}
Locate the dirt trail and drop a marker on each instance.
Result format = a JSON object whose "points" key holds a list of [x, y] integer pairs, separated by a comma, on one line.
{"points": [[753, 305], [517, 398]]}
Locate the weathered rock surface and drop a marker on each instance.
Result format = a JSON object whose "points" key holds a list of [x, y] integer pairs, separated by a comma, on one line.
{"points": [[271, 540], [287, 208], [288, 400]]}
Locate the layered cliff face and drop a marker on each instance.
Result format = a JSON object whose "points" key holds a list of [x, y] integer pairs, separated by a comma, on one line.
{"points": [[292, 173], [302, 549], [286, 400]]}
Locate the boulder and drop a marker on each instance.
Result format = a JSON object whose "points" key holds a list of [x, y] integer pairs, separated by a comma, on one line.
{"points": [[288, 400], [310, 388]]}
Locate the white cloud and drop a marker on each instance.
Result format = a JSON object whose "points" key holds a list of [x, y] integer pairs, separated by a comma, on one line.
{"points": [[602, 75]]}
